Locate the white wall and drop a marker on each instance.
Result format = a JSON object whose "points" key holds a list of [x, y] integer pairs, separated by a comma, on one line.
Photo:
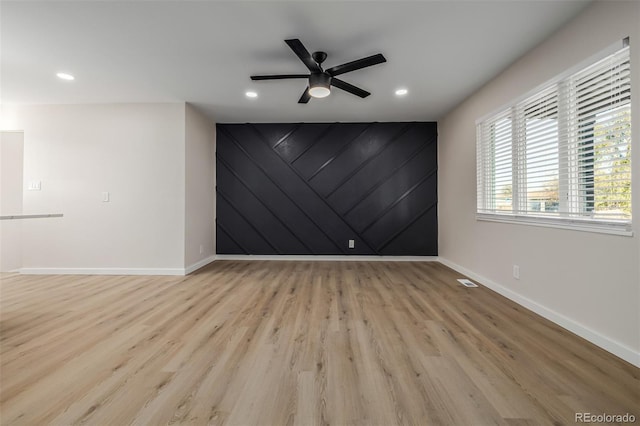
{"points": [[587, 282], [200, 192], [11, 160], [135, 152]]}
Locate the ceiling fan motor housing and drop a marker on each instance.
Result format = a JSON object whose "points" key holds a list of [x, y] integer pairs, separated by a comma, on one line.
{"points": [[319, 79], [319, 83]]}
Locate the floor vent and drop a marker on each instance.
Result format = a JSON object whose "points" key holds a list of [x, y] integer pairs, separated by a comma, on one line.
{"points": [[467, 283]]}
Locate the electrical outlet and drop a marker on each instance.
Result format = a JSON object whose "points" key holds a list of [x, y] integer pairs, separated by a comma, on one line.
{"points": [[352, 243], [201, 249], [516, 272], [105, 197]]}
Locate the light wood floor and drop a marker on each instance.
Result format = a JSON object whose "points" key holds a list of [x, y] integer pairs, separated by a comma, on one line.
{"points": [[278, 343]]}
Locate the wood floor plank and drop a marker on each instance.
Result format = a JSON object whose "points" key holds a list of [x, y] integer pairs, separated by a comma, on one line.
{"points": [[283, 342]]}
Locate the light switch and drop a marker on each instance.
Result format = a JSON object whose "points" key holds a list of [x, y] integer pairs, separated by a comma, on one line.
{"points": [[34, 185], [105, 197]]}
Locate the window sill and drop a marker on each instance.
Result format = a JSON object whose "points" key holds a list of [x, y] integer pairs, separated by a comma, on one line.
{"points": [[612, 228]]}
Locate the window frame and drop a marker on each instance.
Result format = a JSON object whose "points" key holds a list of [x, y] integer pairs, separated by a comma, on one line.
{"points": [[607, 226]]}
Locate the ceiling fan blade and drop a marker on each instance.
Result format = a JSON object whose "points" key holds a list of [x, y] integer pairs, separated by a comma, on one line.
{"points": [[349, 88], [278, 77], [305, 97], [302, 53], [356, 65]]}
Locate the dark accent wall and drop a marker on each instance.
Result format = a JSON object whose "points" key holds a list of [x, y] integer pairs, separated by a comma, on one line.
{"points": [[309, 188]]}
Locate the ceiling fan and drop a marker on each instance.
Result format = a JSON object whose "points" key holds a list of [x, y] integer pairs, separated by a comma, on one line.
{"points": [[320, 80]]}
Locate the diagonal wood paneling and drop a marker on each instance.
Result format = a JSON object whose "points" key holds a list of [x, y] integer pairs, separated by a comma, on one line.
{"points": [[298, 188]]}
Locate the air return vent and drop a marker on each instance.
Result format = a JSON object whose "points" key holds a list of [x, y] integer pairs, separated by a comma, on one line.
{"points": [[467, 283]]}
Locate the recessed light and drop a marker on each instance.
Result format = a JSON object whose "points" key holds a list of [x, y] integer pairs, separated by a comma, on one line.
{"points": [[251, 95], [401, 92], [65, 76]]}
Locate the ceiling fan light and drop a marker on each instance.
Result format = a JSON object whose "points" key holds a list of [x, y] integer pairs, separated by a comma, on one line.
{"points": [[319, 91], [319, 85]]}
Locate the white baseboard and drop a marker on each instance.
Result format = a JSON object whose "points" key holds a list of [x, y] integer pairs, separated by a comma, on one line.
{"points": [[102, 271], [616, 348], [191, 268], [325, 258], [199, 264]]}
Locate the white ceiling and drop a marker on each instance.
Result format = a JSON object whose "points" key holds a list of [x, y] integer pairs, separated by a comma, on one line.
{"points": [[204, 53]]}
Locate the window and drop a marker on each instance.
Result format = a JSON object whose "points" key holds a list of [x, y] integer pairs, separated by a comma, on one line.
{"points": [[561, 156]]}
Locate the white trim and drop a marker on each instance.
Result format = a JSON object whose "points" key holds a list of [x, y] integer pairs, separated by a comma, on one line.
{"points": [[623, 229], [199, 264], [30, 216], [618, 349], [102, 271], [191, 268], [324, 258]]}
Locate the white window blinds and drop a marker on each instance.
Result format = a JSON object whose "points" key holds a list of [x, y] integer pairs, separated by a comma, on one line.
{"points": [[563, 154]]}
